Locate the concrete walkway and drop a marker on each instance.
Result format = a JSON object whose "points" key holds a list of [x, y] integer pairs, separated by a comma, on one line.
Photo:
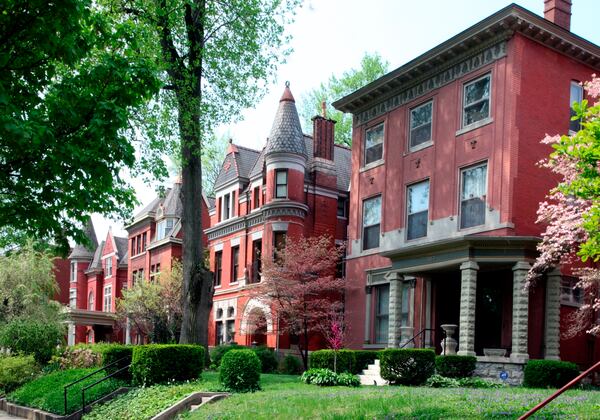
{"points": [[5, 416]]}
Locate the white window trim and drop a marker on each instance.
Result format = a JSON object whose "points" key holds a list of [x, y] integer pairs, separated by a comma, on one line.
{"points": [[483, 121], [460, 190], [366, 166], [108, 275], [73, 272], [362, 232], [427, 143], [428, 181], [107, 296]]}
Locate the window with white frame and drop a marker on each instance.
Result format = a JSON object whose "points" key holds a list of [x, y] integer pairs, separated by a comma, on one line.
{"points": [[473, 195], [371, 222], [382, 311], [108, 267], [72, 298], [164, 228], [570, 294], [107, 298], [73, 271], [226, 206], [476, 100], [281, 183], [218, 267], [576, 95], [91, 306], [374, 144], [417, 210], [420, 124]]}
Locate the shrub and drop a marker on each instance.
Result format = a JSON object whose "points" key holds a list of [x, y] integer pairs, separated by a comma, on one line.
{"points": [[38, 338], [454, 366], [217, 353], [363, 358], [439, 381], [115, 352], [268, 360], [290, 365], [16, 371], [348, 379], [478, 383], [324, 359], [407, 366], [240, 371], [158, 363], [549, 373], [77, 358], [327, 377]]}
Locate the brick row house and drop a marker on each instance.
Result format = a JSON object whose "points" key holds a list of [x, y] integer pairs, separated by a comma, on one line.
{"points": [[445, 190], [97, 276], [297, 185]]}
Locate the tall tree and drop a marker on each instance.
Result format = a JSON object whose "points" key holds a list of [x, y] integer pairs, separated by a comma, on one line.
{"points": [[217, 58], [572, 211], [301, 287], [69, 82], [372, 66]]}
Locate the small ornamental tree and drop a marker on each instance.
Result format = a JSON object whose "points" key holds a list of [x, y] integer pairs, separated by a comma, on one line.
{"points": [[572, 211], [334, 331], [301, 287]]}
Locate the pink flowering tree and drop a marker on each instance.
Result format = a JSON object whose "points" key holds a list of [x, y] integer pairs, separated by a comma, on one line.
{"points": [[334, 330], [300, 285], [572, 210]]}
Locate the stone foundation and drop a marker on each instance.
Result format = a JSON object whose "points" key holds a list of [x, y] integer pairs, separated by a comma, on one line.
{"points": [[492, 368]]}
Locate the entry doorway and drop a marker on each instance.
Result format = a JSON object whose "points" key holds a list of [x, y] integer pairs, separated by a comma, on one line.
{"points": [[493, 314]]}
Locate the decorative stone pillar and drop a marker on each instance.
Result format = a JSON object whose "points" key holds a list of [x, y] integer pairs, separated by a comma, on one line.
{"points": [[468, 298], [552, 316], [368, 299], [395, 308], [520, 316]]}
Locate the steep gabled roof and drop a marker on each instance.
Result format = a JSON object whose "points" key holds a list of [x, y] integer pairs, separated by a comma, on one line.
{"points": [[121, 250], [97, 261], [172, 205], [237, 164]]}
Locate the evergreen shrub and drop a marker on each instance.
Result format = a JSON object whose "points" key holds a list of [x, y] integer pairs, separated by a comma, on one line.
{"points": [[407, 366], [240, 371], [159, 363]]}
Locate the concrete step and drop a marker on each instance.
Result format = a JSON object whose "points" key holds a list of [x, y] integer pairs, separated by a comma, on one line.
{"points": [[372, 375]]}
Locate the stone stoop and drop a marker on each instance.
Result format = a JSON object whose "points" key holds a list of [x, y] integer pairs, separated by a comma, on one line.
{"points": [[372, 375]]}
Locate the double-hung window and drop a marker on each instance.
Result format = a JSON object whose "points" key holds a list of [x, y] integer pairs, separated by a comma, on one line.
{"points": [[417, 210], [218, 267], [575, 96], [472, 196], [73, 271], [107, 298], [73, 298], [235, 256], [164, 228], [570, 294], [281, 183], [342, 207], [91, 306], [382, 311], [226, 207], [420, 124], [374, 144], [476, 100], [371, 222], [109, 267]]}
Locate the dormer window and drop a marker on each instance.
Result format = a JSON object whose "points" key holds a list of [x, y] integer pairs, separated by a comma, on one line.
{"points": [[108, 267], [164, 228], [226, 206]]}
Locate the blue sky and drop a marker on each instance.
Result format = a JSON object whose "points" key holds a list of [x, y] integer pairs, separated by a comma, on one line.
{"points": [[331, 36]]}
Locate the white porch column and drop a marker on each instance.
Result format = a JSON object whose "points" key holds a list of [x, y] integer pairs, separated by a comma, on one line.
{"points": [[127, 331], [368, 298], [520, 316], [395, 308], [468, 298], [552, 316], [71, 333]]}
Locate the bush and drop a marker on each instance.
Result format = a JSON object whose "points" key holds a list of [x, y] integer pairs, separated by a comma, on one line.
{"points": [[290, 365], [478, 383], [268, 360], [407, 366], [15, 371], [455, 366], [324, 359], [438, 381], [240, 371], [327, 377], [217, 353], [363, 358], [77, 358], [114, 352], [38, 338], [158, 363], [549, 373]]}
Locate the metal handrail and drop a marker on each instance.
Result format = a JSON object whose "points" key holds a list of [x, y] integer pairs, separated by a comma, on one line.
{"points": [[65, 388], [96, 383], [559, 392], [417, 335]]}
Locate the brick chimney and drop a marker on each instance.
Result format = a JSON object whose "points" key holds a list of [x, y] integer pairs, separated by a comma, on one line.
{"points": [[559, 12], [323, 135]]}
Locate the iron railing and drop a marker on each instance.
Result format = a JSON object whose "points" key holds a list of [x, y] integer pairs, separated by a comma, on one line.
{"points": [[66, 387], [421, 336]]}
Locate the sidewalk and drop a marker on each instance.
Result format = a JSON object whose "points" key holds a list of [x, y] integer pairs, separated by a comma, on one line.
{"points": [[5, 416]]}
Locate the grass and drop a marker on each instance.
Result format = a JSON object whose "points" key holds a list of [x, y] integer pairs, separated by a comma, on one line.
{"points": [[143, 403], [46, 392], [284, 397]]}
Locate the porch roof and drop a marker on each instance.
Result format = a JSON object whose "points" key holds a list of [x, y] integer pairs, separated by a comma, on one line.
{"points": [[86, 317]]}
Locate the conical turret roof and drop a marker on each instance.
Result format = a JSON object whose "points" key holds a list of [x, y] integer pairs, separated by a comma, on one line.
{"points": [[286, 133], [83, 251]]}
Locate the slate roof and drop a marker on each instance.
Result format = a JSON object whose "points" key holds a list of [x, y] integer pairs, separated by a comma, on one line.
{"points": [[97, 261], [236, 164], [211, 202], [172, 205], [258, 165], [121, 249], [149, 208], [82, 251], [342, 159], [286, 133]]}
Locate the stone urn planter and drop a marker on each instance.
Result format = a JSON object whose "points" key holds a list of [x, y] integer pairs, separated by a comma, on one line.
{"points": [[494, 352], [449, 344]]}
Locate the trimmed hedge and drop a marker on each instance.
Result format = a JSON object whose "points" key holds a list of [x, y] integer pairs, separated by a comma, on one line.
{"points": [[407, 366], [364, 358], [324, 359], [549, 373], [455, 366], [268, 360], [114, 352], [240, 371], [217, 353], [159, 363]]}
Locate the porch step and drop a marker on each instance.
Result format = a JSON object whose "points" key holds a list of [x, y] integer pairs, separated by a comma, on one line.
{"points": [[372, 375]]}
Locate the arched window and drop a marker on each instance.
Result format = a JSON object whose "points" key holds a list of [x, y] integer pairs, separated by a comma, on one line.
{"points": [[219, 313], [230, 312], [91, 301]]}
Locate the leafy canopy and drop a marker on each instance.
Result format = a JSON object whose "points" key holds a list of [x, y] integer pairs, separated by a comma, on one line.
{"points": [[70, 78], [372, 67]]}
